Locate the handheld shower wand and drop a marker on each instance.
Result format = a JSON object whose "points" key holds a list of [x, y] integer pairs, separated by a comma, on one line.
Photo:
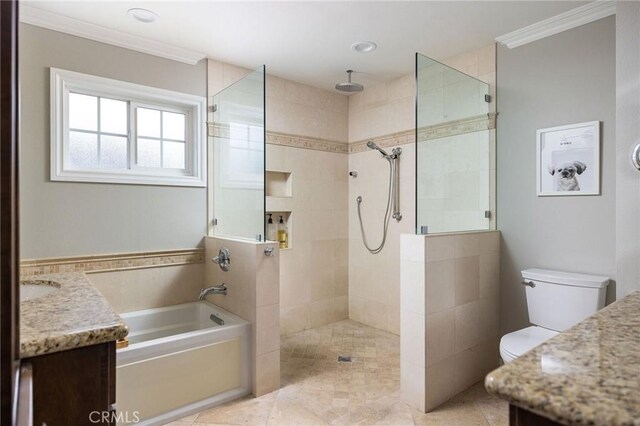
{"points": [[393, 195], [372, 145]]}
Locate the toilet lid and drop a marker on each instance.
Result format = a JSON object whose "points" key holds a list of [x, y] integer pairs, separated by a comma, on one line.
{"points": [[521, 341]]}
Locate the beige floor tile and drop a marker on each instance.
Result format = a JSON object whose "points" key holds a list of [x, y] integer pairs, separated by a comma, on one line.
{"points": [[316, 389]]}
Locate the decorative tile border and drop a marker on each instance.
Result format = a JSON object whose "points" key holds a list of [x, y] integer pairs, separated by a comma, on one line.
{"points": [[458, 127], [450, 128], [284, 139], [293, 141], [110, 262], [386, 141]]}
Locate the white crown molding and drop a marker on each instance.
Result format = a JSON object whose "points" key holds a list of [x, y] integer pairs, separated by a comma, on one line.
{"points": [[53, 21], [565, 21]]}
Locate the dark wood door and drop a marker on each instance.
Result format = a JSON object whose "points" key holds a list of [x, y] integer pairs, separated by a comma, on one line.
{"points": [[9, 254]]}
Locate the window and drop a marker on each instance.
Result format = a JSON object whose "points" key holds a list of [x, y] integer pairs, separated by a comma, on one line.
{"points": [[105, 130], [242, 157]]}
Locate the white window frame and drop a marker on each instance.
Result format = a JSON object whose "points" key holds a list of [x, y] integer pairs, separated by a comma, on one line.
{"points": [[136, 95]]}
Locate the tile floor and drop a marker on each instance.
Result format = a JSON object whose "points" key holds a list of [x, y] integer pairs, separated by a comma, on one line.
{"points": [[318, 390]]}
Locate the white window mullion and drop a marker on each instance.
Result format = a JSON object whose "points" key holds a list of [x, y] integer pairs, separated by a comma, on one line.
{"points": [[161, 140], [133, 137], [98, 137]]}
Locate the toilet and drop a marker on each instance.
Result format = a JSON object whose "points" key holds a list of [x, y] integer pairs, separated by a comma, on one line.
{"points": [[556, 301]]}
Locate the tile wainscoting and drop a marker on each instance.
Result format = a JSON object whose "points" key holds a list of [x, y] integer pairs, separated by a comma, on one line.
{"points": [[110, 262], [133, 281]]}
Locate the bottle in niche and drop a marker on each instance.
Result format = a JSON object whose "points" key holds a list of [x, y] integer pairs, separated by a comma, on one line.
{"points": [[283, 234], [271, 229]]}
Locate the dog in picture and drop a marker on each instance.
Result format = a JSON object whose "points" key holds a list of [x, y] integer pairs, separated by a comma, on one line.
{"points": [[567, 179]]}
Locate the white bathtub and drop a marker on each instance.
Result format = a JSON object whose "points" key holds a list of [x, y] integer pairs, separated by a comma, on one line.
{"points": [[179, 361]]}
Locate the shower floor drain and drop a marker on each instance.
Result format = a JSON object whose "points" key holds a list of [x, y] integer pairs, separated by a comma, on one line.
{"points": [[345, 358]]}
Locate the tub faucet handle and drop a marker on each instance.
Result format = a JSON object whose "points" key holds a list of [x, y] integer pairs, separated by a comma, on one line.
{"points": [[223, 259]]}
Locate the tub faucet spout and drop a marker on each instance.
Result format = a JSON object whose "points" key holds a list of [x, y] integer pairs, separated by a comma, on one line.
{"points": [[214, 289]]}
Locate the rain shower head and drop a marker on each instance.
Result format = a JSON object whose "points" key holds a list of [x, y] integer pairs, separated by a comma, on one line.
{"points": [[349, 87], [372, 145]]}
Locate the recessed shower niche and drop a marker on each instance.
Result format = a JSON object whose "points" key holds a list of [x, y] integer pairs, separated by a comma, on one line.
{"points": [[279, 184]]}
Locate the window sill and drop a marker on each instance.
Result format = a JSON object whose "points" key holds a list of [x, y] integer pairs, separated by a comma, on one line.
{"points": [[128, 179]]}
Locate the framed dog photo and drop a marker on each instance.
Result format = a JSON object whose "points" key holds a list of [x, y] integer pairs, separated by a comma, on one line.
{"points": [[568, 160]]}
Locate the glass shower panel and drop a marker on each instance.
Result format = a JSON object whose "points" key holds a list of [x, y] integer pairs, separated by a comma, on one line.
{"points": [[239, 158], [452, 149]]}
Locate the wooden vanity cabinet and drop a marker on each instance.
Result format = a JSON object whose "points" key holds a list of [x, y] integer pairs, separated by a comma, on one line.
{"points": [[75, 387], [521, 417]]}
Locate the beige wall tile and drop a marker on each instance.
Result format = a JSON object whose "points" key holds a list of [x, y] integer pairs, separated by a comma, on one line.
{"points": [[413, 385], [294, 318], [267, 339], [412, 339], [489, 274], [137, 289], [467, 326], [267, 329], [468, 368], [356, 308], [440, 383], [440, 248], [267, 276], [489, 242], [467, 244], [490, 314], [412, 293], [467, 279], [439, 286], [267, 373], [412, 247], [440, 340]]}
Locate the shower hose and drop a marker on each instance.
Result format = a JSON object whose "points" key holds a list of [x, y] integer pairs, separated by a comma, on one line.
{"points": [[387, 214]]}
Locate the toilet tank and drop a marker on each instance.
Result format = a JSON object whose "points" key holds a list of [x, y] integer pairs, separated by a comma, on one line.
{"points": [[558, 300]]}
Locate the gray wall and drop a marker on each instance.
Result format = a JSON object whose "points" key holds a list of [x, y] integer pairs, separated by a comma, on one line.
{"points": [[563, 79], [65, 218], [628, 135]]}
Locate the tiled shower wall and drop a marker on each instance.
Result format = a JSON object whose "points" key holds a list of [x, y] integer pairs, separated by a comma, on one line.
{"points": [[314, 283], [327, 275], [314, 275], [385, 113]]}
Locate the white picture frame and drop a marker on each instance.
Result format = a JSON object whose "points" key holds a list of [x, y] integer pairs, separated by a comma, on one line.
{"points": [[568, 160]]}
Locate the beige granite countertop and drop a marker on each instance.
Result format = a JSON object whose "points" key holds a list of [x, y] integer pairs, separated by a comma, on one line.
{"points": [[74, 316], [587, 375]]}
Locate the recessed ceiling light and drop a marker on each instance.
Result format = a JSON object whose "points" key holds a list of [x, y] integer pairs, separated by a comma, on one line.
{"points": [[364, 46], [142, 15]]}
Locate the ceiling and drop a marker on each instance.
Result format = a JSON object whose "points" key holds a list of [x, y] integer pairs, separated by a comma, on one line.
{"points": [[309, 41]]}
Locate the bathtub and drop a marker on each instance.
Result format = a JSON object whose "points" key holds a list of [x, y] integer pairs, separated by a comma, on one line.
{"points": [[179, 361]]}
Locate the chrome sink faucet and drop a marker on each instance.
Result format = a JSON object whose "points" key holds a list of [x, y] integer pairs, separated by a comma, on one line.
{"points": [[214, 289]]}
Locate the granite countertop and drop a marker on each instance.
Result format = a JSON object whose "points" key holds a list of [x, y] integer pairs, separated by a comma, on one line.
{"points": [[73, 316], [587, 375]]}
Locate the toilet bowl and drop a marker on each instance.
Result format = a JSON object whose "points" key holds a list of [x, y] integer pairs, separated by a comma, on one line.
{"points": [[556, 301], [514, 344]]}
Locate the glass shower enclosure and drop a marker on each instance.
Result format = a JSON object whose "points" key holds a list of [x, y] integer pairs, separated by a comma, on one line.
{"points": [[452, 150], [237, 158]]}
